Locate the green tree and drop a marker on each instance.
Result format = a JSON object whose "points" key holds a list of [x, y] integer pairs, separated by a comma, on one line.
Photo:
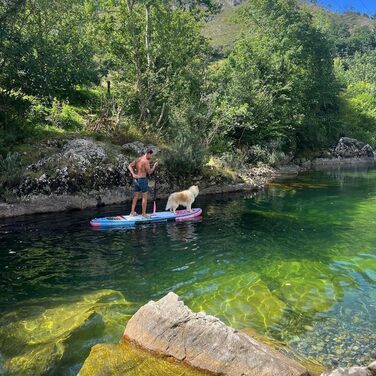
{"points": [[357, 100], [46, 50], [160, 59], [279, 80]]}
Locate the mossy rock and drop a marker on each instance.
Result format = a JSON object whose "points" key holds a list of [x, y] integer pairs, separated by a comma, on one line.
{"points": [[35, 339], [126, 359], [244, 297], [306, 286]]}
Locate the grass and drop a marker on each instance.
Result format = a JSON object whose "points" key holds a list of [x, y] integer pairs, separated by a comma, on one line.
{"points": [[216, 167], [223, 29]]}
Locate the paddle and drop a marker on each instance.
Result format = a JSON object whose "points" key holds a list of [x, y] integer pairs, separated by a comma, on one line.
{"points": [[155, 193]]}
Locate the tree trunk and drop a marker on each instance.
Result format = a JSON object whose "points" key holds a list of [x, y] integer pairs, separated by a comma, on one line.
{"points": [[148, 33], [138, 65]]}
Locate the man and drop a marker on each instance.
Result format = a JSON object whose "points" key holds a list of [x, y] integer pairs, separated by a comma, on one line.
{"points": [[140, 169]]}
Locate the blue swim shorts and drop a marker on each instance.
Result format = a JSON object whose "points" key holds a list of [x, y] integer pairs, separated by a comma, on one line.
{"points": [[141, 185]]}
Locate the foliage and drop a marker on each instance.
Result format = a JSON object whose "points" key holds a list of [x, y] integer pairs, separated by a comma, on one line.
{"points": [[64, 116], [188, 151], [45, 49], [270, 153], [360, 67], [10, 171], [296, 78], [357, 100], [13, 110], [186, 155], [358, 111], [279, 80], [159, 59]]}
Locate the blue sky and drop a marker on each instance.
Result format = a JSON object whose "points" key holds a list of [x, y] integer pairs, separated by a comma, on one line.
{"points": [[363, 6]]}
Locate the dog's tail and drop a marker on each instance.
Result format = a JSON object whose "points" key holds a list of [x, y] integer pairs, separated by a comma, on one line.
{"points": [[168, 205]]}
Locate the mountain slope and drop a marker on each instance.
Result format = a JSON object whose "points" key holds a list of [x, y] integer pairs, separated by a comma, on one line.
{"points": [[225, 28]]}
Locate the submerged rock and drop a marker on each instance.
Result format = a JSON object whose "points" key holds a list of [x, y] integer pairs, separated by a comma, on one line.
{"points": [[171, 328], [34, 340], [255, 303], [124, 359]]}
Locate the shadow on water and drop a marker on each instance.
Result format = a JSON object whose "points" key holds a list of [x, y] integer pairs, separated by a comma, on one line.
{"points": [[296, 262]]}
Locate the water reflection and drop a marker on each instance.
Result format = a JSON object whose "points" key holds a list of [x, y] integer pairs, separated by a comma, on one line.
{"points": [[184, 231]]}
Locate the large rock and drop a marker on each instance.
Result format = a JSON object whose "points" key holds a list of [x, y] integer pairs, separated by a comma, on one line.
{"points": [[171, 328], [351, 148], [83, 151], [354, 371], [80, 165], [367, 151], [137, 148], [232, 2], [372, 368]]}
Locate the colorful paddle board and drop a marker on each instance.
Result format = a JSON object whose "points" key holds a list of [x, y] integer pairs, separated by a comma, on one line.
{"points": [[129, 220]]}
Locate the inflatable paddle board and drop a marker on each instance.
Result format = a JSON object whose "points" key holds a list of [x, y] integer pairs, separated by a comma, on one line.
{"points": [[129, 220]]}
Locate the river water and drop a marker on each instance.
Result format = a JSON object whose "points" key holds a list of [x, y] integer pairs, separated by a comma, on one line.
{"points": [[296, 263]]}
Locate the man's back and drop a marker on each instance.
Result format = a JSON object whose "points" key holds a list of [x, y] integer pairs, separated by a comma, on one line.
{"points": [[142, 167]]}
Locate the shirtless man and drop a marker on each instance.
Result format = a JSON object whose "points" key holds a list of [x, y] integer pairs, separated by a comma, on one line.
{"points": [[140, 169]]}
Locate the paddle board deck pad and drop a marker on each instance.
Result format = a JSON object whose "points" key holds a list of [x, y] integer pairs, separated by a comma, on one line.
{"points": [[130, 220]]}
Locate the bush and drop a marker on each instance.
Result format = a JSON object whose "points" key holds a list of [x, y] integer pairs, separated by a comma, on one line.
{"points": [[65, 116], [38, 112], [10, 171], [271, 153], [358, 111], [12, 124], [186, 156], [109, 118]]}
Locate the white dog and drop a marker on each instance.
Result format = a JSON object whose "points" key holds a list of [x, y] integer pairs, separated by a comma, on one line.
{"points": [[184, 198]]}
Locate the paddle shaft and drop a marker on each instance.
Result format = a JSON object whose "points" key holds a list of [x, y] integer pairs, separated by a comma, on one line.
{"points": [[155, 193]]}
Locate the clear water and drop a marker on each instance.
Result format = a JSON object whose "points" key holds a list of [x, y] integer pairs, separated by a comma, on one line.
{"points": [[297, 263]]}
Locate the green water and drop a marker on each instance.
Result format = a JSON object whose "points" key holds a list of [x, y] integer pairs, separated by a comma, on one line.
{"points": [[297, 263]]}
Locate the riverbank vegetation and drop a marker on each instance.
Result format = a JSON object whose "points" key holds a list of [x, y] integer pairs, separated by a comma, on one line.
{"points": [[293, 80]]}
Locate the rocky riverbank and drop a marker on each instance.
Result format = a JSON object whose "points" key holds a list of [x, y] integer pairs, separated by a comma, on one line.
{"points": [[82, 173], [348, 153]]}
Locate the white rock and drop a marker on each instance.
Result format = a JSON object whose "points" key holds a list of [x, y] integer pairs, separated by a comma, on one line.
{"points": [[171, 328], [352, 371]]}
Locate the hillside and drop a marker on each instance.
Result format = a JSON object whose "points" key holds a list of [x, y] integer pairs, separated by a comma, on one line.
{"points": [[225, 28]]}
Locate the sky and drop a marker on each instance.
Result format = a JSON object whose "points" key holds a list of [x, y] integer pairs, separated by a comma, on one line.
{"points": [[363, 6]]}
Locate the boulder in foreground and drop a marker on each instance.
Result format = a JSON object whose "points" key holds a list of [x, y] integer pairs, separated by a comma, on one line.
{"points": [[171, 328]]}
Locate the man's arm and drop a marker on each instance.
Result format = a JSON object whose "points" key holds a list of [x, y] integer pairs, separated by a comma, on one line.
{"points": [[149, 170], [131, 167]]}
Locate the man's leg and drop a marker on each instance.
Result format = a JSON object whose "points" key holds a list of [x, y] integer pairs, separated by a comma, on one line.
{"points": [[134, 202], [144, 203]]}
